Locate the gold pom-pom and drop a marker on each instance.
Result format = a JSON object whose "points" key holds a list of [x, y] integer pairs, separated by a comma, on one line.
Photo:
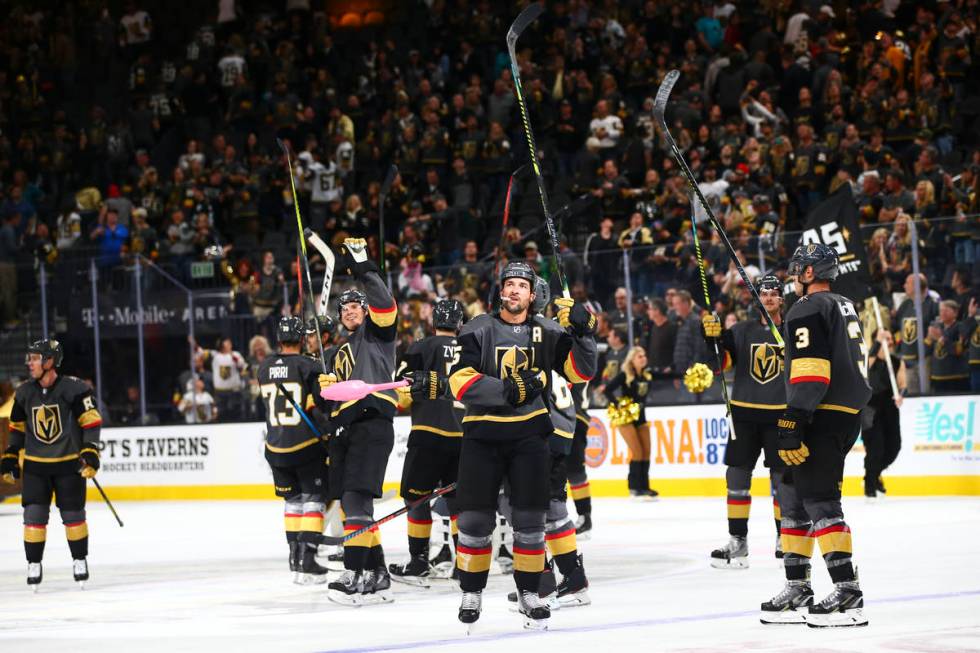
{"points": [[698, 378], [624, 411]]}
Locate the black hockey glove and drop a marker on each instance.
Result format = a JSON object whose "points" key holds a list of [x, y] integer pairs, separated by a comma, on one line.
{"points": [[575, 317], [356, 260], [523, 387], [90, 462], [427, 386], [9, 467], [792, 426]]}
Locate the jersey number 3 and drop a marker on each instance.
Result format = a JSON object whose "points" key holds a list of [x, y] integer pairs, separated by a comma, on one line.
{"points": [[288, 416]]}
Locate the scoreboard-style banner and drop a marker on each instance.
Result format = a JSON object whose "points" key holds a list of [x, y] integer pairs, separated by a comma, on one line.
{"points": [[225, 461]]}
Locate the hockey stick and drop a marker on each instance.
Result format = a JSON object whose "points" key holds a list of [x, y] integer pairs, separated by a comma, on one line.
{"points": [[659, 107], [107, 502], [302, 242], [526, 17], [888, 356], [503, 232], [334, 540], [356, 389], [382, 198], [330, 260]]}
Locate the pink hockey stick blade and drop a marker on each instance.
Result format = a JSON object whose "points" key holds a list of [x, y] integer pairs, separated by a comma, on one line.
{"points": [[356, 389]]}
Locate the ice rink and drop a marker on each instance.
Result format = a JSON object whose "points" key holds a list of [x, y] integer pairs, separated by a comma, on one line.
{"points": [[212, 576]]}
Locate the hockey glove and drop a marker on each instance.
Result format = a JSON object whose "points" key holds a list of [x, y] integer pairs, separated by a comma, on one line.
{"points": [[711, 326], [356, 261], [326, 380], [427, 386], [575, 317], [9, 467], [792, 426], [90, 462], [523, 387]]}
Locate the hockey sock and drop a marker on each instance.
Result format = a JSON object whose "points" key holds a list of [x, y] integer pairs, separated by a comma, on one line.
{"points": [[376, 554], [562, 546], [581, 496], [454, 529], [738, 481], [292, 516], [356, 549], [419, 531], [797, 540], [76, 529], [311, 521], [776, 512], [35, 536], [528, 548], [834, 538], [473, 562]]}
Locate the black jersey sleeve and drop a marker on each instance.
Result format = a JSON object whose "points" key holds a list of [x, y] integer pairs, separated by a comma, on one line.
{"points": [[808, 356], [382, 309], [576, 358], [87, 415], [17, 423]]}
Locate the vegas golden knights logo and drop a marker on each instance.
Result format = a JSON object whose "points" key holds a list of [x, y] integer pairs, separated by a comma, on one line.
{"points": [[511, 360], [47, 423], [224, 371], [910, 330], [939, 352], [343, 362], [767, 364]]}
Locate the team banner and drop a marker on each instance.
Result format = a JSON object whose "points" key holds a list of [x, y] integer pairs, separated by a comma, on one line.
{"points": [[834, 222], [164, 313]]}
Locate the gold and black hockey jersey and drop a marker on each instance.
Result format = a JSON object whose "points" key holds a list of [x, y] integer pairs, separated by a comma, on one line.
{"points": [[442, 417], [825, 355], [492, 349], [53, 425], [289, 440], [759, 391]]}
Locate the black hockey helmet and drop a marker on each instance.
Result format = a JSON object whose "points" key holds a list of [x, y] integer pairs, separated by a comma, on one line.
{"points": [[47, 349], [290, 329], [518, 270], [327, 325], [822, 258], [769, 282], [542, 295], [448, 314], [351, 295]]}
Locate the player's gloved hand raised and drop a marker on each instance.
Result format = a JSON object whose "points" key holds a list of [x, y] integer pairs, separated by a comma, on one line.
{"points": [[90, 462], [711, 326], [356, 260], [523, 387], [9, 467], [792, 426], [575, 316], [326, 380], [426, 385]]}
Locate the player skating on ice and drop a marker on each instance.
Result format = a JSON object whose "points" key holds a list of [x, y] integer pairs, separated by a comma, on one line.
{"points": [[500, 377], [289, 383], [432, 460], [359, 454], [826, 388], [758, 400], [56, 423]]}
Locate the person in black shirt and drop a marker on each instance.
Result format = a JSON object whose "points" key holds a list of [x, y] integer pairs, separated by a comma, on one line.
{"points": [[883, 438]]}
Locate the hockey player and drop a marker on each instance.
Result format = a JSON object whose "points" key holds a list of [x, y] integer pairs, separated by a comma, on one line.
{"points": [[359, 455], [432, 459], [56, 423], [501, 374], [758, 399], [327, 329], [578, 480], [293, 449], [827, 387]]}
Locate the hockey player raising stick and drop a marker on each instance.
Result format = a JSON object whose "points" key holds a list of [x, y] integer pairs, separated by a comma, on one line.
{"points": [[55, 421], [827, 387], [758, 399], [504, 362], [432, 460], [359, 455], [288, 382]]}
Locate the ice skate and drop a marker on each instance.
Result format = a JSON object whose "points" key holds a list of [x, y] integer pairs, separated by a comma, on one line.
{"points": [[535, 611], [734, 555], [34, 575], [80, 570], [347, 589], [583, 528], [442, 564], [547, 590], [308, 571], [573, 590], [469, 609], [415, 572], [789, 606], [844, 607], [377, 587]]}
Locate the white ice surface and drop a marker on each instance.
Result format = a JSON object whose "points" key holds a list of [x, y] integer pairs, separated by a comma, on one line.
{"points": [[212, 576]]}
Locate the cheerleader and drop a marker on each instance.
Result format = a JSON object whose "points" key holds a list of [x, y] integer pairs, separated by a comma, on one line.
{"points": [[627, 394]]}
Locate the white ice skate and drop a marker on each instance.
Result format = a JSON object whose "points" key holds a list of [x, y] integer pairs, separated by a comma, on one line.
{"points": [[80, 570], [535, 611], [34, 575], [734, 555], [469, 610], [790, 605], [843, 608]]}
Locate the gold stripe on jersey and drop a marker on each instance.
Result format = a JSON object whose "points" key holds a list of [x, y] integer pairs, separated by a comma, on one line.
{"points": [[800, 368], [39, 459], [572, 374], [584, 420], [504, 418], [16, 426], [747, 404], [841, 409], [89, 418], [564, 434], [432, 429], [347, 404], [297, 447], [383, 317], [460, 379]]}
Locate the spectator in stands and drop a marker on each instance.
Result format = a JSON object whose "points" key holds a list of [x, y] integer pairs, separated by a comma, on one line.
{"points": [[110, 236], [198, 407], [9, 247], [690, 347], [948, 342]]}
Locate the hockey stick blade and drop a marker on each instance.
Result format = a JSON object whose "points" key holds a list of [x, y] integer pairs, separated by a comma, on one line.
{"points": [[663, 94], [330, 260], [525, 18], [388, 181]]}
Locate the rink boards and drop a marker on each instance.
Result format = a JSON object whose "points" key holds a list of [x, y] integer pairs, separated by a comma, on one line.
{"points": [[939, 455]]}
